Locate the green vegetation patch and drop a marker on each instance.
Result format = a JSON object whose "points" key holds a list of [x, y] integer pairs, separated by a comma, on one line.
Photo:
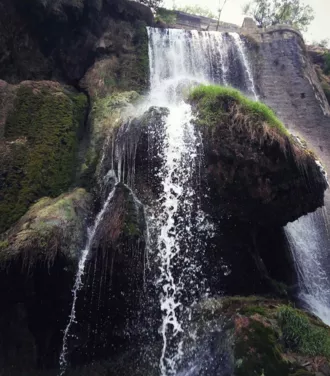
{"points": [[326, 63], [257, 351], [42, 134], [166, 16], [302, 335], [214, 103]]}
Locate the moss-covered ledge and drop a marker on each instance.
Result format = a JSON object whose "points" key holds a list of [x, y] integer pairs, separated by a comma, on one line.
{"points": [[269, 337], [51, 227], [257, 171], [39, 140]]}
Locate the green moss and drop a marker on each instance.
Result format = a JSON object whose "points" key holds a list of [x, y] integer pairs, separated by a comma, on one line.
{"points": [[140, 71], [302, 372], [326, 89], [253, 309], [301, 335], [106, 117], [326, 57], [258, 353], [44, 164], [213, 103], [4, 244]]}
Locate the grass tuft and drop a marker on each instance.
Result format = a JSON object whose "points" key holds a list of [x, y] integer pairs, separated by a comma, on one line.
{"points": [[301, 335], [213, 101]]}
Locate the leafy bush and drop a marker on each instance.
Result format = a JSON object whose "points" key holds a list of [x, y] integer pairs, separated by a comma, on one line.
{"points": [[301, 335]]}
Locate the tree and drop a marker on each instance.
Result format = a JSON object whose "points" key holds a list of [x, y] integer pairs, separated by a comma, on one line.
{"points": [[196, 10], [222, 4], [272, 12]]}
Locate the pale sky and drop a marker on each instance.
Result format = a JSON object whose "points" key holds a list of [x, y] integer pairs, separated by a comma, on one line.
{"points": [[319, 29]]}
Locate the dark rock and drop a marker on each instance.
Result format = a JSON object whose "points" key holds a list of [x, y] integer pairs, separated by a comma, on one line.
{"points": [[109, 308], [72, 36]]}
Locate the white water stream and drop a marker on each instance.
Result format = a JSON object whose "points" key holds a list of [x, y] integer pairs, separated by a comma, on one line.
{"points": [[178, 60], [79, 283]]}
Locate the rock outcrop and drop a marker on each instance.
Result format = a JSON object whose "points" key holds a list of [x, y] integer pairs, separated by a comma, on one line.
{"points": [[263, 337], [60, 40], [257, 171], [51, 228], [40, 129]]}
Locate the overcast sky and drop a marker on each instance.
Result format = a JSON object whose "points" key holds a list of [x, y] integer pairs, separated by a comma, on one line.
{"points": [[319, 29]]}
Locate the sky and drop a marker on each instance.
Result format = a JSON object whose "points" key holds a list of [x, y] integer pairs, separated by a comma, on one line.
{"points": [[318, 30]]}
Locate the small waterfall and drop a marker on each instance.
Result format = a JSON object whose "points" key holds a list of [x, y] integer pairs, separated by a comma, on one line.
{"points": [[242, 55], [310, 246], [178, 60], [199, 57], [78, 282]]}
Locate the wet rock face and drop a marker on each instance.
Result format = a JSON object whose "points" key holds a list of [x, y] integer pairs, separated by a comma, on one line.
{"points": [[74, 35], [109, 305]]}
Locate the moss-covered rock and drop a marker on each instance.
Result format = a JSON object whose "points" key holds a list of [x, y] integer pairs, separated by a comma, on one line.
{"points": [[40, 134], [126, 64], [106, 117], [259, 330], [50, 227], [258, 172]]}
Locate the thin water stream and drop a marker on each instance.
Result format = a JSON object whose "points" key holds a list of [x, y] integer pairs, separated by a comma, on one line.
{"points": [[79, 281]]}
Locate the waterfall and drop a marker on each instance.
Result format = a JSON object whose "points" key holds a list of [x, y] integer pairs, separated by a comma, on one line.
{"points": [[178, 60], [309, 243]]}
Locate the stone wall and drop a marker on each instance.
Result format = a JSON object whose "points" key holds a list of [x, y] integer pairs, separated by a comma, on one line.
{"points": [[287, 82]]}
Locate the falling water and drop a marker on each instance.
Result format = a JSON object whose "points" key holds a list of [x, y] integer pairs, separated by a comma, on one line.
{"points": [[309, 242], [78, 282], [178, 60], [242, 55]]}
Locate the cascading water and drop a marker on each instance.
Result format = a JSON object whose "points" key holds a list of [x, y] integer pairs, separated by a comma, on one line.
{"points": [[310, 246], [178, 60]]}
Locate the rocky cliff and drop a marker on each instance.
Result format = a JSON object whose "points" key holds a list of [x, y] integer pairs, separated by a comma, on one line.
{"points": [[72, 74]]}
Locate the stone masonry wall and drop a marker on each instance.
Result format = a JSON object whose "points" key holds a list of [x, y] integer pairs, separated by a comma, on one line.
{"points": [[288, 83]]}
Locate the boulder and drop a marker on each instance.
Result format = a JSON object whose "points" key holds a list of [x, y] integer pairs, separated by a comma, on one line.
{"points": [[51, 228], [40, 127], [266, 336], [257, 172]]}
